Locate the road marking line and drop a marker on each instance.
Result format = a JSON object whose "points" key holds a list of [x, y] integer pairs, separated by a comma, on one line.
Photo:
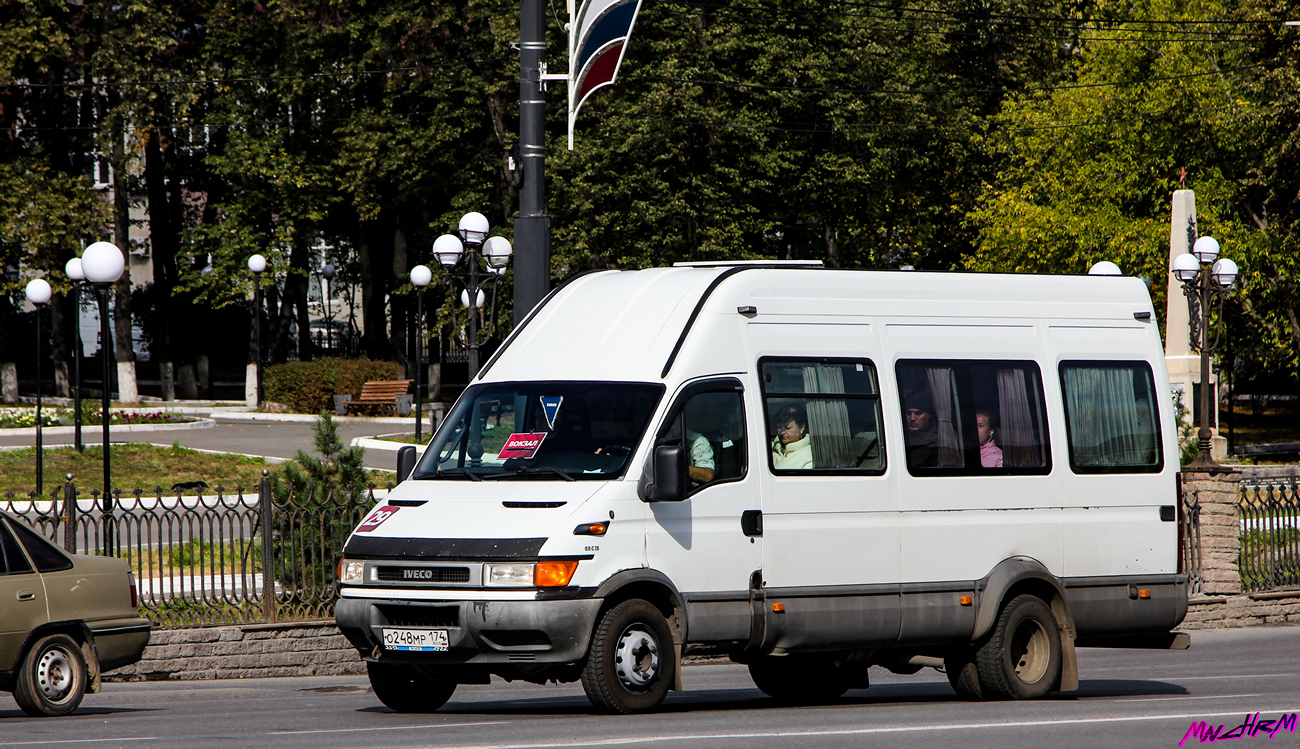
{"points": [[44, 742], [865, 731], [1209, 697], [389, 728], [1223, 676]]}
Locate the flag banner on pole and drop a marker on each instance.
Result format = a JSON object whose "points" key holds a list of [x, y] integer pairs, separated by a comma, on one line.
{"points": [[598, 39]]}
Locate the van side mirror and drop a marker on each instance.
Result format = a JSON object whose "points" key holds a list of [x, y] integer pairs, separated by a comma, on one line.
{"points": [[670, 476], [405, 462]]}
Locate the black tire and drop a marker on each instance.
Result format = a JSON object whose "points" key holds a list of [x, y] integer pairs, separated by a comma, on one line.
{"points": [[406, 691], [52, 678], [631, 660], [963, 676], [798, 681], [1022, 660]]}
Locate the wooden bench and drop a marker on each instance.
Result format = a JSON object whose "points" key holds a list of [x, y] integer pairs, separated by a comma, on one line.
{"points": [[379, 396]]}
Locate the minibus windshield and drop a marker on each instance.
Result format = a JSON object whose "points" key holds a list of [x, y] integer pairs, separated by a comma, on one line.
{"points": [[542, 431]]}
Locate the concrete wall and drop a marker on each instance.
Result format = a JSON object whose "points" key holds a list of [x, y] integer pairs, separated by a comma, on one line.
{"points": [[244, 652]]}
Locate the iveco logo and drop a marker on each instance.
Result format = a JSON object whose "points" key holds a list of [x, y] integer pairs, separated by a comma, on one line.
{"points": [[417, 574]]}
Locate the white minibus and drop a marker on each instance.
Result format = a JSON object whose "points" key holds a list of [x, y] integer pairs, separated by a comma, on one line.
{"points": [[810, 471]]}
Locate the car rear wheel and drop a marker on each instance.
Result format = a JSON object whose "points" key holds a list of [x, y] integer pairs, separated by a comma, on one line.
{"points": [[406, 691], [52, 678], [631, 661], [1022, 660]]}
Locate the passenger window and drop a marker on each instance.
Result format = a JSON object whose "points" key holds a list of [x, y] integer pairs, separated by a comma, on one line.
{"points": [[17, 563], [822, 415], [1111, 417], [971, 417], [711, 427], [43, 553]]}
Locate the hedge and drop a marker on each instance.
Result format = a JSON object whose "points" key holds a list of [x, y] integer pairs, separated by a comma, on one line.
{"points": [[310, 387]]}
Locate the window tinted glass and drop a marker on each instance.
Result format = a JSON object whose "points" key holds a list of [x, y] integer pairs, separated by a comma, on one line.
{"points": [[970, 417], [711, 426], [541, 430], [1111, 417], [14, 556], [43, 553], [822, 415]]}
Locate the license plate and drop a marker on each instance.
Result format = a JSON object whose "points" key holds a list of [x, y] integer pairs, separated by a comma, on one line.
{"points": [[415, 639]]}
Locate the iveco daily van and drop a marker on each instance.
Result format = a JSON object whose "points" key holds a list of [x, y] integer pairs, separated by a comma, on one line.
{"points": [[811, 471]]}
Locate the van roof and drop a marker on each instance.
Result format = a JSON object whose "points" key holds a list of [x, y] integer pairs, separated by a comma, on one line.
{"points": [[626, 325]]}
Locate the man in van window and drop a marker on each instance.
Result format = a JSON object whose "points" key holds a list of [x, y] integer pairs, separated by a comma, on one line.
{"points": [[990, 453], [920, 430], [699, 417]]}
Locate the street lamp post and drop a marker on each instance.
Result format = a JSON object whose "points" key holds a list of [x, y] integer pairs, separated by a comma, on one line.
{"points": [[38, 293], [494, 253], [257, 264], [103, 263], [76, 274], [1204, 280], [420, 276]]}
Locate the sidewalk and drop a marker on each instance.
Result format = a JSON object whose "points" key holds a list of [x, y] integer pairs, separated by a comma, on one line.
{"points": [[233, 427]]}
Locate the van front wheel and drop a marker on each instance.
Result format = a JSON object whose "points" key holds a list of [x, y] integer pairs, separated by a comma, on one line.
{"points": [[631, 661], [406, 691], [1022, 660]]}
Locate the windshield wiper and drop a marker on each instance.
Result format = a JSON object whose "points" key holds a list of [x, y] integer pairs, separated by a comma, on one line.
{"points": [[458, 472], [532, 471]]}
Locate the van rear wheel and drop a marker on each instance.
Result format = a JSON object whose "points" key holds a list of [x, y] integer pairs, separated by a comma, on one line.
{"points": [[798, 681], [631, 661], [1022, 660], [963, 675], [406, 691]]}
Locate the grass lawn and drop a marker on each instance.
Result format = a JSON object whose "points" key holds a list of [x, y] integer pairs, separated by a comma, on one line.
{"points": [[1270, 426], [134, 466]]}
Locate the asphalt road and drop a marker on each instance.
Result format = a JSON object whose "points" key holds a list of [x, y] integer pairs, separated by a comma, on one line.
{"points": [[278, 439], [1126, 699]]}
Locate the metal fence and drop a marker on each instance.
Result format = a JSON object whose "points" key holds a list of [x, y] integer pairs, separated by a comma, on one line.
{"points": [[203, 560], [1190, 529], [1270, 534]]}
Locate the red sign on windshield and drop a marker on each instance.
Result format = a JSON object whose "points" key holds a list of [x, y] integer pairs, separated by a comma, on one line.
{"points": [[522, 446]]}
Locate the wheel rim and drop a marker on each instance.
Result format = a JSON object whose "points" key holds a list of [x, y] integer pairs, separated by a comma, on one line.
{"points": [[56, 675], [637, 658], [1030, 651]]}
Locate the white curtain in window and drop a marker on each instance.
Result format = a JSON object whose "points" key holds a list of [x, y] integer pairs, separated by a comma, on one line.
{"points": [[943, 391], [1104, 418], [828, 420], [1016, 434]]}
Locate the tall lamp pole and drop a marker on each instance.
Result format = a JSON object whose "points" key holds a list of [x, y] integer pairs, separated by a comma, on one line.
{"points": [[38, 293], [1205, 280], [420, 276], [257, 264], [76, 274], [103, 264]]}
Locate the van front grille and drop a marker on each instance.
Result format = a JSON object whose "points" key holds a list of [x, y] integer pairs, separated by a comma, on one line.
{"points": [[422, 574]]}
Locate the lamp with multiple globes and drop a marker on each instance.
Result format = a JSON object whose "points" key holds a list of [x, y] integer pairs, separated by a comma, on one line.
{"points": [[1206, 278], [484, 259]]}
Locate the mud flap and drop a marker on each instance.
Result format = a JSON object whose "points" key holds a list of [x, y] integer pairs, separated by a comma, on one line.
{"points": [[678, 615], [93, 683], [1069, 659]]}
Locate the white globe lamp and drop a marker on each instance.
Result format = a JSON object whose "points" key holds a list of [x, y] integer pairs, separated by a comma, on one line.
{"points": [[103, 263], [1105, 268], [473, 227]]}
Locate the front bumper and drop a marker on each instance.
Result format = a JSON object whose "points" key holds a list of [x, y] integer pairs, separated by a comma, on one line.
{"points": [[478, 632]]}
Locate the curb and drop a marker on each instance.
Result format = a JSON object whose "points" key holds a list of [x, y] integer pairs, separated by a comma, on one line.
{"points": [[257, 416], [371, 443], [118, 428]]}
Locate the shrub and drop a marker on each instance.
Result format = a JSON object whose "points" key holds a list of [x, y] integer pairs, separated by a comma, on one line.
{"points": [[310, 387]]}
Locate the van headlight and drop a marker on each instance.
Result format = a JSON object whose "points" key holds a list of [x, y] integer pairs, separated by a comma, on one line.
{"points": [[352, 573], [509, 575]]}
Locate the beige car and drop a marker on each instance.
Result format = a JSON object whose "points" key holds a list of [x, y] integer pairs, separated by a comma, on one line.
{"points": [[64, 620]]}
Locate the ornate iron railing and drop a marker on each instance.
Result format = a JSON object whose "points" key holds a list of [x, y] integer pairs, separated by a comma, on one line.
{"points": [[1270, 534], [202, 560], [1190, 529]]}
